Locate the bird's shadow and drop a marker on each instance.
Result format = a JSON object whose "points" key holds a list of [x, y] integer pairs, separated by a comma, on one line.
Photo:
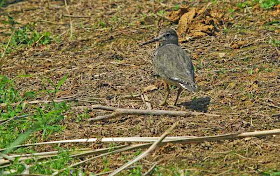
{"points": [[198, 104]]}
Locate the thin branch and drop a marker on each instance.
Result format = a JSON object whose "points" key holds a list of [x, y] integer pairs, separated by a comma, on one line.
{"points": [[13, 118], [116, 139], [146, 153], [44, 155], [62, 99], [76, 152], [34, 154], [149, 172], [108, 108], [183, 139], [126, 111], [132, 96], [87, 153], [7, 157], [186, 139], [131, 147]]}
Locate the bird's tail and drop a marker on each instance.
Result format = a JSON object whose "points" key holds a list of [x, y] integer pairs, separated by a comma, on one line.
{"points": [[189, 86]]}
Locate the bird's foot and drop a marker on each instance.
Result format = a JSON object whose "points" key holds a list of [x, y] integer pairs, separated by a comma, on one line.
{"points": [[159, 84], [163, 103], [176, 103]]}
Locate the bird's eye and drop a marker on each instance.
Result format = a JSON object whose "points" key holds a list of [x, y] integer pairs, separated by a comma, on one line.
{"points": [[167, 35]]}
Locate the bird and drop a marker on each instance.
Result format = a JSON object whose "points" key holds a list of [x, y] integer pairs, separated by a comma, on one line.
{"points": [[172, 63]]}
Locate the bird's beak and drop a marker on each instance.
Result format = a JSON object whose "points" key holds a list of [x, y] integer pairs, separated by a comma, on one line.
{"points": [[153, 40]]}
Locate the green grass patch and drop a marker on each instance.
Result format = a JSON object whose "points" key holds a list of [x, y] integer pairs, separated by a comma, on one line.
{"points": [[19, 118], [19, 122], [265, 4], [25, 36]]}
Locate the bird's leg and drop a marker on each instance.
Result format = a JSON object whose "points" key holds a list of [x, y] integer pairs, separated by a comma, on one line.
{"points": [[178, 95], [167, 92]]}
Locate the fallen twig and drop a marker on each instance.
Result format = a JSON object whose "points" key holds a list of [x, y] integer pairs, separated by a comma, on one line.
{"points": [[13, 118], [177, 139], [130, 96], [93, 152], [131, 147], [125, 111], [183, 139], [43, 155], [7, 157], [144, 154], [116, 139], [62, 99], [149, 172]]}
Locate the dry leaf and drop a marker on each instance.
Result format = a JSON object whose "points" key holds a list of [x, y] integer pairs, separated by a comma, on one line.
{"points": [[185, 21], [197, 22], [176, 15]]}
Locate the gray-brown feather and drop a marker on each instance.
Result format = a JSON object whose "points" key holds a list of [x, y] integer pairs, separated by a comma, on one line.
{"points": [[174, 65]]}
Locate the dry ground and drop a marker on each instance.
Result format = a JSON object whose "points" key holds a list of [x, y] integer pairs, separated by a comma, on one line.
{"points": [[237, 72]]}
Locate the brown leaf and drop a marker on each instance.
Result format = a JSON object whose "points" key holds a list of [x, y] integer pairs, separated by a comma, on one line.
{"points": [[176, 15], [198, 34], [186, 20]]}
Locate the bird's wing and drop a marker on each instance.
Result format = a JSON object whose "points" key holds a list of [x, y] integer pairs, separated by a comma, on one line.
{"points": [[173, 63]]}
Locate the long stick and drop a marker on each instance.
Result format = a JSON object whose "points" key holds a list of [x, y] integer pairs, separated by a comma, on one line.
{"points": [[188, 139], [125, 111], [114, 139]]}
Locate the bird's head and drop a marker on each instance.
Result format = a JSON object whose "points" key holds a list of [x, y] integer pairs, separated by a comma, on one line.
{"points": [[166, 36]]}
